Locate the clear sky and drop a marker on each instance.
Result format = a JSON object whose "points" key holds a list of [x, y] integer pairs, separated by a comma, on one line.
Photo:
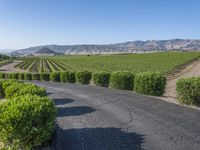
{"points": [[25, 23]]}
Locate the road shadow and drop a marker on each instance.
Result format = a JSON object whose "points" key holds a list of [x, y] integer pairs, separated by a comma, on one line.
{"points": [[74, 111], [96, 139], [49, 93], [63, 101]]}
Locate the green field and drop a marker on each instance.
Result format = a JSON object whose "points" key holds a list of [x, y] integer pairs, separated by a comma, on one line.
{"points": [[162, 62]]}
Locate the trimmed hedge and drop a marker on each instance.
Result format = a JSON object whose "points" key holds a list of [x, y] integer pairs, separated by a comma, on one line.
{"points": [[68, 77], [2, 92], [83, 77], [7, 83], [28, 76], [6, 75], [101, 78], [14, 75], [45, 76], [9, 76], [35, 76], [122, 80], [4, 84], [26, 121], [150, 83], [21, 76], [2, 75], [17, 89], [55, 76], [188, 90]]}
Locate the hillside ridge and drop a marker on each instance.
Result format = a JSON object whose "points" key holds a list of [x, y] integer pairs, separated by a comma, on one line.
{"points": [[126, 47]]}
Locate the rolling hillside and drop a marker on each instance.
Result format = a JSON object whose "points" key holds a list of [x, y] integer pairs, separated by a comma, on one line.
{"points": [[127, 47]]}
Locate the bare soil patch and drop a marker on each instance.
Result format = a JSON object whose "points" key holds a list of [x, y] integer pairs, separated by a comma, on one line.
{"points": [[11, 67], [190, 70]]}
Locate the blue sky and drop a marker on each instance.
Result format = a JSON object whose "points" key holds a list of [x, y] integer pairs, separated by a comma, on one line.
{"points": [[25, 23]]}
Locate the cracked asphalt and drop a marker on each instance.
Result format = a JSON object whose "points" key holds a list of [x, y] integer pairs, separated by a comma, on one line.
{"points": [[95, 118]]}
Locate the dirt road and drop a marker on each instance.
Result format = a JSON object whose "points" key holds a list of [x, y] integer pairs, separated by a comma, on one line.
{"points": [[192, 70], [11, 67]]}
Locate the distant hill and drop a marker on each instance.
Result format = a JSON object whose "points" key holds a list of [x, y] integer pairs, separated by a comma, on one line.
{"points": [[127, 47], [5, 51], [45, 50]]}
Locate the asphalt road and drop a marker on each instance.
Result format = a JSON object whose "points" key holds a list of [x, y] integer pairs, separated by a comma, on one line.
{"points": [[95, 118]]}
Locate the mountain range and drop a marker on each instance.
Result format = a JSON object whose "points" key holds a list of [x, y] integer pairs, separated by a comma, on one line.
{"points": [[126, 47]]}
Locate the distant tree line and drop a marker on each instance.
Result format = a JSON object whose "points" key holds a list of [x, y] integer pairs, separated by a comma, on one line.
{"points": [[4, 57]]}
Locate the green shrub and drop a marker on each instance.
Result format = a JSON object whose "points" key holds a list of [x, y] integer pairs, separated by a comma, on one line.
{"points": [[68, 77], [26, 121], [2, 92], [9, 76], [44, 76], [7, 83], [28, 76], [122, 80], [83, 77], [101, 78], [150, 83], [21, 76], [6, 75], [12, 89], [14, 75], [19, 89], [188, 90], [55, 76], [2, 75], [35, 76]]}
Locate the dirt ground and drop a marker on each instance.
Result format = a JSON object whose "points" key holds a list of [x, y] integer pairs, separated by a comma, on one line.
{"points": [[191, 70], [10, 67]]}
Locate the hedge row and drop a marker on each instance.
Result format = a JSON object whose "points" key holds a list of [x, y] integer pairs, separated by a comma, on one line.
{"points": [[27, 120], [150, 83], [188, 90], [145, 83]]}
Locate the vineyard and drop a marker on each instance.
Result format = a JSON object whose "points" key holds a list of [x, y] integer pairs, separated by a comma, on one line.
{"points": [[162, 62]]}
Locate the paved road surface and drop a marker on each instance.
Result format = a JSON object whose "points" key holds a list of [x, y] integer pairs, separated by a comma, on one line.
{"points": [[95, 118]]}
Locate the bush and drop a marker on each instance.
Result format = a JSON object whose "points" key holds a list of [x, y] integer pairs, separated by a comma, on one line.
{"points": [[27, 76], [2, 92], [83, 77], [6, 75], [14, 75], [188, 90], [44, 76], [26, 121], [101, 78], [36, 76], [122, 80], [55, 76], [150, 83], [9, 76], [19, 89], [4, 84], [21, 76], [12, 89], [7, 83], [68, 77], [2, 75]]}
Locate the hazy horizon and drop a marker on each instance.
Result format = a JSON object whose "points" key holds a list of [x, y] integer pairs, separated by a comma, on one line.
{"points": [[32, 23]]}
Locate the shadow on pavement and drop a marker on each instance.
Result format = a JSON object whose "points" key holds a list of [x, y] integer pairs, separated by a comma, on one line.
{"points": [[63, 101], [95, 139], [74, 111]]}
